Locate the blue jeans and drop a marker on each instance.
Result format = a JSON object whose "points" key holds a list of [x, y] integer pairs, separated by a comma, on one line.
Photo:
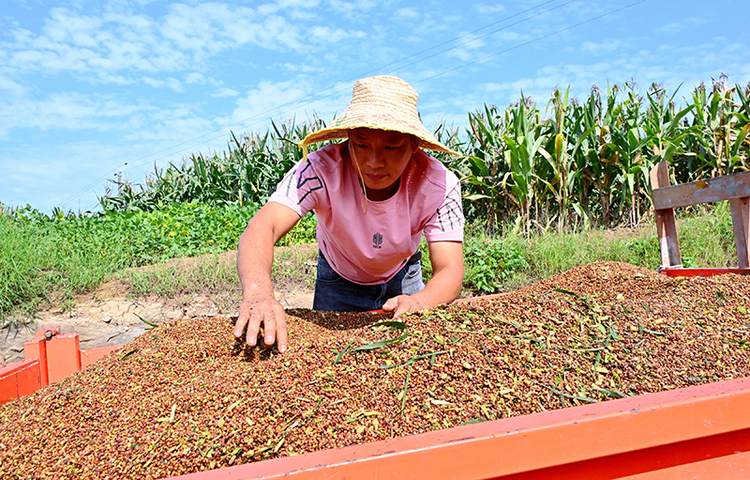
{"points": [[335, 293]]}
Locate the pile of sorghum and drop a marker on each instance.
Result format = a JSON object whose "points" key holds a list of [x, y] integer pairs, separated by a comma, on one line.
{"points": [[186, 396]]}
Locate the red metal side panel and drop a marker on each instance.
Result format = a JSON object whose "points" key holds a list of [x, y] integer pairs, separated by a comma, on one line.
{"points": [[703, 272], [63, 356], [608, 440], [18, 379], [29, 378], [92, 355], [9, 382], [730, 467], [37, 348]]}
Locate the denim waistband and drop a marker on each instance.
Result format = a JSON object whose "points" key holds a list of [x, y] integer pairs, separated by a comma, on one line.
{"points": [[415, 258]]}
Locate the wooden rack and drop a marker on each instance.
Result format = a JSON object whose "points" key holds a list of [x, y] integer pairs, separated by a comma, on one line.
{"points": [[666, 197]]}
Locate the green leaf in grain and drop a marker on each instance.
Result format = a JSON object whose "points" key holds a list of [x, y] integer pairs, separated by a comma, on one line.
{"points": [[430, 355], [380, 344], [129, 354], [473, 420], [403, 393], [611, 393], [150, 324], [342, 352], [563, 394], [566, 292], [390, 323]]}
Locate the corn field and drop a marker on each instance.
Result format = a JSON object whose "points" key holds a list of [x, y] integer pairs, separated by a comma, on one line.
{"points": [[574, 165], [245, 174]]}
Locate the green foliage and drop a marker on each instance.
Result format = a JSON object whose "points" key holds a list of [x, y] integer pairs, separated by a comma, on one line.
{"points": [[208, 275], [489, 262], [551, 254], [588, 163], [20, 265], [68, 253], [706, 237], [578, 164]]}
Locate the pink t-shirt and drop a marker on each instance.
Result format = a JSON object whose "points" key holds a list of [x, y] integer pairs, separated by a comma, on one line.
{"points": [[370, 247]]}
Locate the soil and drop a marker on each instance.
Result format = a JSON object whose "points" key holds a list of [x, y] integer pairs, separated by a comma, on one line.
{"points": [[113, 315]]}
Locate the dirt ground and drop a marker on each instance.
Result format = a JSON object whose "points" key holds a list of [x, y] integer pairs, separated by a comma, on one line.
{"points": [[112, 316]]}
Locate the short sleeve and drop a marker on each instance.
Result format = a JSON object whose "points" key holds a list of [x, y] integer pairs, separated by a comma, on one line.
{"points": [[299, 189], [447, 224]]}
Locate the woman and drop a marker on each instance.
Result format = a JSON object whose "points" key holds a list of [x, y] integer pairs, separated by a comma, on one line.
{"points": [[374, 196]]}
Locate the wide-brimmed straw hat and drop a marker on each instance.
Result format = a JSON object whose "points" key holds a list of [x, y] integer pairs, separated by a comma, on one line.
{"points": [[384, 103]]}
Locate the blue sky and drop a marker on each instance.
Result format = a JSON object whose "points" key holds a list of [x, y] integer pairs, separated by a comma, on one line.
{"points": [[89, 88]]}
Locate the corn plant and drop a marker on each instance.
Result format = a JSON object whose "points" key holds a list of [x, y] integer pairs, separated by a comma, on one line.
{"points": [[245, 174], [628, 141], [522, 155], [483, 167], [581, 163]]}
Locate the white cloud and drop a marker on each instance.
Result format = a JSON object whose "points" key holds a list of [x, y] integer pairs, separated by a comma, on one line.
{"points": [[195, 77], [304, 68], [285, 100], [13, 88], [263, 102], [683, 24], [212, 27], [112, 45], [199, 28], [67, 111], [488, 9], [602, 47], [357, 9], [406, 13], [174, 127], [468, 48], [296, 9], [102, 113], [71, 42], [225, 92], [327, 36]]}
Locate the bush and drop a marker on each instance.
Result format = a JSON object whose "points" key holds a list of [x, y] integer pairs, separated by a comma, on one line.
{"points": [[489, 262]]}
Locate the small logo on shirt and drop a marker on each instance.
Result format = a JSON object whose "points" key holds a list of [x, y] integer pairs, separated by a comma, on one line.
{"points": [[377, 240]]}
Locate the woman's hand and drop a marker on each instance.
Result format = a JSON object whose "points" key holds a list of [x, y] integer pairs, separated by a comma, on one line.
{"points": [[444, 286], [254, 261], [403, 304], [267, 312]]}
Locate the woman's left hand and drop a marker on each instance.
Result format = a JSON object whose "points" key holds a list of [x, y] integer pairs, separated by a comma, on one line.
{"points": [[403, 304]]}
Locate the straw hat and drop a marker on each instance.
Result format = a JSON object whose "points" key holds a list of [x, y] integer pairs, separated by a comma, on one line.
{"points": [[383, 103]]}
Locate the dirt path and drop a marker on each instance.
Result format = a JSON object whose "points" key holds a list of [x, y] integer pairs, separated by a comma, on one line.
{"points": [[110, 316]]}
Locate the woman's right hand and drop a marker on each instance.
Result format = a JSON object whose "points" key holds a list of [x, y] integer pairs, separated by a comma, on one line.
{"points": [[267, 312], [254, 262]]}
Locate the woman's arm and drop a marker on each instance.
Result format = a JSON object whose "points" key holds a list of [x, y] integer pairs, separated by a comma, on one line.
{"points": [[445, 285], [254, 262]]}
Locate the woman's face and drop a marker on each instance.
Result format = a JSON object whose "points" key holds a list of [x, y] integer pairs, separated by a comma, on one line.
{"points": [[382, 157]]}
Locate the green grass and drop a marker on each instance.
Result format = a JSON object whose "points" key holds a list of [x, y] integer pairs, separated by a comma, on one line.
{"points": [[495, 264], [22, 282], [50, 259]]}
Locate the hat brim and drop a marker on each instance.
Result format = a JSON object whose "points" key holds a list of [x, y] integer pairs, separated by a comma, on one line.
{"points": [[341, 128], [381, 103]]}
